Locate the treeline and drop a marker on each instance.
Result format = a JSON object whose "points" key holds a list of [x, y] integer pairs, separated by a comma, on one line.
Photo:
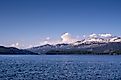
{"points": [[80, 52], [52, 52], [118, 52], [14, 51]]}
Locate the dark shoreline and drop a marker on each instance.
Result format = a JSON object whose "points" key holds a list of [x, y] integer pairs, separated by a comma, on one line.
{"points": [[79, 53], [60, 54]]}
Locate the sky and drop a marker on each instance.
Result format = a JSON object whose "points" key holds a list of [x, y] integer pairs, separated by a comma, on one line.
{"points": [[27, 23]]}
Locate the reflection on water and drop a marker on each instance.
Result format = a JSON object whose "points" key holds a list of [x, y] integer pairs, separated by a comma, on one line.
{"points": [[60, 67]]}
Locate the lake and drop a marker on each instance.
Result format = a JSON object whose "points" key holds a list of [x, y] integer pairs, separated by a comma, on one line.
{"points": [[60, 67]]}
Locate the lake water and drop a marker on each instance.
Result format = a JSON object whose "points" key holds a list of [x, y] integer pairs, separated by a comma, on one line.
{"points": [[60, 67]]}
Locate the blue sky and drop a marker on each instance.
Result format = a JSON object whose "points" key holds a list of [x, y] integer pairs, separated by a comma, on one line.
{"points": [[30, 21]]}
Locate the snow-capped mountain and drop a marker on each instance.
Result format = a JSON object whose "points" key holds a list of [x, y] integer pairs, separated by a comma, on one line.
{"points": [[115, 39], [95, 42], [98, 38]]}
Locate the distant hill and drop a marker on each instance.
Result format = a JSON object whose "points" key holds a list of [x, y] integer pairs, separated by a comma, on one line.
{"points": [[14, 51]]}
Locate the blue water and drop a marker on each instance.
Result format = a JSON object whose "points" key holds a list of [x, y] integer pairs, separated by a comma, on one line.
{"points": [[60, 67]]}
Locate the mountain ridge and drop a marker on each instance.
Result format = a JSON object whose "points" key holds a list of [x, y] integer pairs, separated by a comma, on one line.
{"points": [[95, 44]]}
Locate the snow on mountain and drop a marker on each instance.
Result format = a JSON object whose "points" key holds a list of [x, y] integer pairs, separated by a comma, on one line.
{"points": [[99, 38], [91, 39], [104, 42], [115, 39]]}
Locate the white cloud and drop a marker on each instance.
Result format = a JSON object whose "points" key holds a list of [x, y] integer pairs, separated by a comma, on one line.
{"points": [[17, 45], [64, 38], [105, 35], [67, 38], [93, 35]]}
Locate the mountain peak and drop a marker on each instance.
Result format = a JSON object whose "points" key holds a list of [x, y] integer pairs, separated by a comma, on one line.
{"points": [[99, 38]]}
